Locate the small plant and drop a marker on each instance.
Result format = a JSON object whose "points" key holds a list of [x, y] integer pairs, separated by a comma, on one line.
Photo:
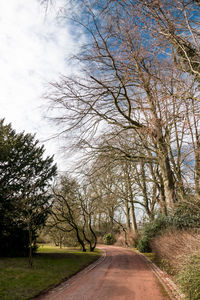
{"points": [[165, 266], [143, 244], [189, 277], [109, 239]]}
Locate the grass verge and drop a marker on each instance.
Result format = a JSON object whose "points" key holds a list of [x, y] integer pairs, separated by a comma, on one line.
{"points": [[189, 277], [151, 256], [162, 264], [51, 266]]}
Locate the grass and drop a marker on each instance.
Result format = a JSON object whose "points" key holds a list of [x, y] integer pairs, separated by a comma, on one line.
{"points": [[51, 266], [162, 264], [189, 277], [150, 256]]}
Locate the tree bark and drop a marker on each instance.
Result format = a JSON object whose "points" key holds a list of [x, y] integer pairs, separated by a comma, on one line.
{"points": [[30, 245], [128, 222], [132, 208], [81, 242], [168, 181]]}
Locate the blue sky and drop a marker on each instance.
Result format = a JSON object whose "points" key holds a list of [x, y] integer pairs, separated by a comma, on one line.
{"points": [[33, 51]]}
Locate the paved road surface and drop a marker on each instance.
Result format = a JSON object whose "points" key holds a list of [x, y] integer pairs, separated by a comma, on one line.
{"points": [[122, 275]]}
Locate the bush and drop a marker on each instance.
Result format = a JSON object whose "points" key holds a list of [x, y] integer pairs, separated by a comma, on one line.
{"points": [[143, 244], [186, 216], [129, 239], [174, 246], [189, 277], [109, 239], [15, 242], [150, 230]]}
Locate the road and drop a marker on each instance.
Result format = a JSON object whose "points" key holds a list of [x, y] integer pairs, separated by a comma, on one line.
{"points": [[122, 275]]}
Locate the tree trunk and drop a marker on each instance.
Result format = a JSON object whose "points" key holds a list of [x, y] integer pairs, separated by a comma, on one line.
{"points": [[168, 182], [197, 171], [130, 194], [99, 222], [162, 152], [162, 201], [128, 222], [60, 241], [30, 246], [133, 218], [165, 169], [81, 242], [145, 192], [94, 235]]}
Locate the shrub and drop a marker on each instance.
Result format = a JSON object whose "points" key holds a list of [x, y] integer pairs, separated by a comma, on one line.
{"points": [[150, 230], [15, 242], [109, 239], [173, 246], [143, 244], [157, 225], [129, 239], [189, 277], [186, 216]]}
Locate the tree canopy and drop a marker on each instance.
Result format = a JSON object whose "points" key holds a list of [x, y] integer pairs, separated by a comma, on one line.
{"points": [[25, 176], [134, 104]]}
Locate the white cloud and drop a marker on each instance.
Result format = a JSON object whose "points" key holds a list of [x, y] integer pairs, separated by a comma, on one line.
{"points": [[33, 50]]}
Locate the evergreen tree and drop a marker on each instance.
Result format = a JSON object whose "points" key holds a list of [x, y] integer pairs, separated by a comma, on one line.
{"points": [[24, 182]]}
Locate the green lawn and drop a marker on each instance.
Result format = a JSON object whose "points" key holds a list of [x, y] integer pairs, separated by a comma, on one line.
{"points": [[51, 266]]}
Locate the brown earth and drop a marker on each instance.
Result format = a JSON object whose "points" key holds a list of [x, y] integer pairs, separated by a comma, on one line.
{"points": [[122, 275]]}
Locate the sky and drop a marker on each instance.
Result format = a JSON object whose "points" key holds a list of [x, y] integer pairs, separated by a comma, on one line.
{"points": [[34, 48]]}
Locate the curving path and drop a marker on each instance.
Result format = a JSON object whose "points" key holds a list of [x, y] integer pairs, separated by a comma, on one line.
{"points": [[122, 275]]}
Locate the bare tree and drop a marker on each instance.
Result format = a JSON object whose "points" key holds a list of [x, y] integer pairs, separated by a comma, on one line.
{"points": [[132, 80], [73, 212], [178, 23]]}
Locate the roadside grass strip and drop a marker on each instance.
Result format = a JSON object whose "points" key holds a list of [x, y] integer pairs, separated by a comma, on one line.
{"points": [[169, 286], [51, 266]]}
